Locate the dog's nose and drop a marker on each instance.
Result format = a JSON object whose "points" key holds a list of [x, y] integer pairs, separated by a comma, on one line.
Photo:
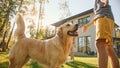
{"points": [[76, 25]]}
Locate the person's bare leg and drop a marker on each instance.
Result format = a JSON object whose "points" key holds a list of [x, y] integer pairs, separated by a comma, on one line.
{"points": [[102, 54], [113, 56]]}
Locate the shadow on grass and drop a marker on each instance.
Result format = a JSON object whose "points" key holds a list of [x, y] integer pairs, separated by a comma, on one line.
{"points": [[78, 64], [4, 65], [75, 64], [89, 56], [34, 65]]}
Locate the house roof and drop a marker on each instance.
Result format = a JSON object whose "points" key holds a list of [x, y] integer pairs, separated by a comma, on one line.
{"points": [[57, 24], [116, 26], [72, 17]]}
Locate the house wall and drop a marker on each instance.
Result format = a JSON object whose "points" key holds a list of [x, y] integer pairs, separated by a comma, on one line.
{"points": [[90, 32], [118, 33]]}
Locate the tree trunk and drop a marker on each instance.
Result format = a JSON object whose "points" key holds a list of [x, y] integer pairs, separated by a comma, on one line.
{"points": [[1, 28], [10, 35], [40, 18], [13, 26], [3, 43]]}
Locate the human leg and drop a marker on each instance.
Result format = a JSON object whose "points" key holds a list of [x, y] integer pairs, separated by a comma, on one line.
{"points": [[100, 42], [101, 53], [113, 56], [109, 43]]}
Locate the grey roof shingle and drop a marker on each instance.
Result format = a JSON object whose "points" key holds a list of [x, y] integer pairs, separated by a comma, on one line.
{"points": [[72, 17]]}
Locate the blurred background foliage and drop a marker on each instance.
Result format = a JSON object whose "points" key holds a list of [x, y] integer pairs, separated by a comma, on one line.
{"points": [[31, 9]]}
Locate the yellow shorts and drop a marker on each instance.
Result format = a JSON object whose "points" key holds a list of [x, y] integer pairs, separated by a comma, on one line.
{"points": [[104, 29]]}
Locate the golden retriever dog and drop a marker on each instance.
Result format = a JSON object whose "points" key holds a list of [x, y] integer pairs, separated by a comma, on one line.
{"points": [[52, 52]]}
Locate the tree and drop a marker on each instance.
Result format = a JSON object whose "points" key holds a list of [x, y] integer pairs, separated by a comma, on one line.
{"points": [[41, 15], [64, 9], [7, 10], [49, 32], [31, 28], [31, 15], [9, 38]]}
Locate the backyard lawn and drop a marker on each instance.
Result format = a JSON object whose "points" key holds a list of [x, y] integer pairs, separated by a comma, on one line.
{"points": [[80, 62]]}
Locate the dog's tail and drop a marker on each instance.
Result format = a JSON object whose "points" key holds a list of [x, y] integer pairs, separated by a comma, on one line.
{"points": [[19, 32]]}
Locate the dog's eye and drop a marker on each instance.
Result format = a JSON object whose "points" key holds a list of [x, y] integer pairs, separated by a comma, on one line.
{"points": [[68, 25]]}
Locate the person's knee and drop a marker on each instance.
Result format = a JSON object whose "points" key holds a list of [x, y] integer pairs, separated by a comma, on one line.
{"points": [[100, 41], [100, 45]]}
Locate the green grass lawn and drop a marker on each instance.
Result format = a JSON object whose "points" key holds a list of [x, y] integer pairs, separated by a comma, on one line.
{"points": [[80, 62]]}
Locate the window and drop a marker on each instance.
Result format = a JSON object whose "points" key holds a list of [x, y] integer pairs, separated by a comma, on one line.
{"points": [[80, 22], [80, 44], [81, 41], [83, 21], [87, 19], [88, 41], [84, 44]]}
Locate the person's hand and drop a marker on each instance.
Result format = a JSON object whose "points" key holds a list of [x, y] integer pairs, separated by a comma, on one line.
{"points": [[105, 2], [84, 28]]}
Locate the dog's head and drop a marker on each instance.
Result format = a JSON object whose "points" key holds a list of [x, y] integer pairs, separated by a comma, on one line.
{"points": [[68, 29]]}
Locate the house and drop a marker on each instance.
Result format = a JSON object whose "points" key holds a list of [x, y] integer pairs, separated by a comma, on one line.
{"points": [[85, 42], [117, 41]]}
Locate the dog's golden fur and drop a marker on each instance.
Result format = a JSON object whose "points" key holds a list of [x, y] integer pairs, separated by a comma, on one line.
{"points": [[51, 52]]}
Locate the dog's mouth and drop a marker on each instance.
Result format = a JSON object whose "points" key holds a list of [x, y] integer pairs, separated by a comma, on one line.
{"points": [[73, 32]]}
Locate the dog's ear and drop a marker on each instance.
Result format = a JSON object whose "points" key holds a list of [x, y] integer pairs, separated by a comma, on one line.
{"points": [[60, 32]]}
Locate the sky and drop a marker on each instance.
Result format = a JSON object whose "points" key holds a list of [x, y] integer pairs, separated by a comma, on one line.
{"points": [[77, 6]]}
